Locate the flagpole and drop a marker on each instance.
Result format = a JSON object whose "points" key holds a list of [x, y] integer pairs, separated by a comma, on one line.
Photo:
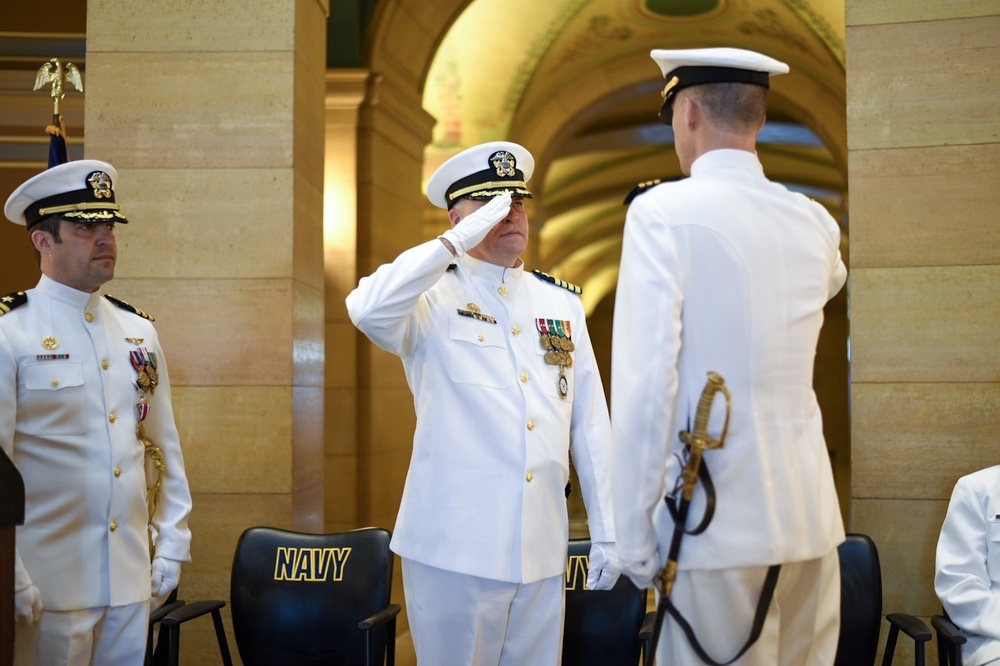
{"points": [[55, 74]]}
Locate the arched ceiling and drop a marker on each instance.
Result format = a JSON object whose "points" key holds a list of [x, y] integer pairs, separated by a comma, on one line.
{"points": [[572, 80]]}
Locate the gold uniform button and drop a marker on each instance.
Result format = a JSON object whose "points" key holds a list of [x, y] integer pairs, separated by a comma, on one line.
{"points": [[482, 338], [118, 470], [531, 425], [112, 417], [516, 330], [529, 476], [89, 317], [55, 382], [113, 526], [502, 291], [105, 364], [524, 377]]}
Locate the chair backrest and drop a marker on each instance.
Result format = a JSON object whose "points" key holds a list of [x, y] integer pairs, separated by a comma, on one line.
{"points": [[860, 601], [601, 627], [297, 598]]}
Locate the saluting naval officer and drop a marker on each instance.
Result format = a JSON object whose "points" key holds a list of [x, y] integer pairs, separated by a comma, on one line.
{"points": [[86, 415], [505, 385], [726, 271]]}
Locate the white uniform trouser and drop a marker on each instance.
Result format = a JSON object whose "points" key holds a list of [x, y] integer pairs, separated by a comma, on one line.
{"points": [[95, 636], [460, 620], [988, 654], [802, 625]]}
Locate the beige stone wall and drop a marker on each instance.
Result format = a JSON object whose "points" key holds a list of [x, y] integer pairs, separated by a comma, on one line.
{"points": [[215, 125], [924, 140]]}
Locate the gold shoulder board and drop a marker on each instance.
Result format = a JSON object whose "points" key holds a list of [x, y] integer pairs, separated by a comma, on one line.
{"points": [[639, 189], [12, 301], [545, 277], [125, 306]]}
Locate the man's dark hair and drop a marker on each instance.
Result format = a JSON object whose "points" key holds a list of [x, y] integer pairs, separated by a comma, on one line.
{"points": [[51, 225]]}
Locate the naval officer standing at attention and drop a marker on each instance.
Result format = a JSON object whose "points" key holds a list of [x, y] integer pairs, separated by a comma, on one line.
{"points": [[87, 419], [505, 386], [727, 272]]}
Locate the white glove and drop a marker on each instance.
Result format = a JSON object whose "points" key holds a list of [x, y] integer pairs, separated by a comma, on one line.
{"points": [[28, 605], [642, 573], [472, 229], [604, 569], [166, 575]]}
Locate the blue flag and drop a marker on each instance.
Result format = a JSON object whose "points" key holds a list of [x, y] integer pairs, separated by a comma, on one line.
{"points": [[57, 142]]}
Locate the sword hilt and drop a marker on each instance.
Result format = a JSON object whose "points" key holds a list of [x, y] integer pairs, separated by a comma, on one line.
{"points": [[699, 438]]}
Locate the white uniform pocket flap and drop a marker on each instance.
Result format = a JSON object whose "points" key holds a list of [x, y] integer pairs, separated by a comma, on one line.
{"points": [[476, 332], [52, 376]]}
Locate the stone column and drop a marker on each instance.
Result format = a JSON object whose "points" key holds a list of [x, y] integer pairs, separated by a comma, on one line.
{"points": [[393, 131], [213, 115], [924, 137], [345, 91]]}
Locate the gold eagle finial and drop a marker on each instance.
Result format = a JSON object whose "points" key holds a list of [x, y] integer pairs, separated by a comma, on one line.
{"points": [[55, 73]]}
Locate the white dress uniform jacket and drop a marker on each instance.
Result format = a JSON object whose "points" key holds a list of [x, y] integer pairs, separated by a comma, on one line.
{"points": [[485, 492], [967, 578], [68, 421], [724, 271]]}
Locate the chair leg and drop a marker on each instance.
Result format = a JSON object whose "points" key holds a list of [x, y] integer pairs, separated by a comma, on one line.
{"points": [[220, 635], [149, 648], [173, 644], [390, 643], [890, 645]]}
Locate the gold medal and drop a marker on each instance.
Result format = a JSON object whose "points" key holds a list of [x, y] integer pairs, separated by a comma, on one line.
{"points": [[562, 383]]}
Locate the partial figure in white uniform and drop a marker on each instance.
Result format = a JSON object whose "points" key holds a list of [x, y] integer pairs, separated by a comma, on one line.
{"points": [[87, 419], [727, 272], [505, 387], [967, 571]]}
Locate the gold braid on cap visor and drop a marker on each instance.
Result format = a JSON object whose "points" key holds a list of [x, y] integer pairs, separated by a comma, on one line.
{"points": [[482, 188], [87, 210], [87, 205]]}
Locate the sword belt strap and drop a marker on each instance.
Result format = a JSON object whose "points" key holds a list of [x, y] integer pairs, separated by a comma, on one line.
{"points": [[706, 482], [766, 594]]}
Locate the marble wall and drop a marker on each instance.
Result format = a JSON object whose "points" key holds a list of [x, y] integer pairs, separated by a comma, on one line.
{"points": [[924, 145], [216, 126]]}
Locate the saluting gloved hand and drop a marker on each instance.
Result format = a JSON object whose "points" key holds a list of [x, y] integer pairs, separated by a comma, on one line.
{"points": [[472, 229], [604, 568], [166, 575], [27, 605]]}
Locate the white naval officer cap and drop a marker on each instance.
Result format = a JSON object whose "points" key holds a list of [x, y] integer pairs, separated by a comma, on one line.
{"points": [[78, 191], [683, 68], [482, 172]]}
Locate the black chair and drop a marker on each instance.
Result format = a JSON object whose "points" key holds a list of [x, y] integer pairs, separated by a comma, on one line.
{"points": [[156, 650], [299, 599], [861, 609], [603, 628], [950, 640]]}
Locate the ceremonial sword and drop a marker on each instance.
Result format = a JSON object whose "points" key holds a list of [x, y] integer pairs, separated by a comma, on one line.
{"points": [[697, 442]]}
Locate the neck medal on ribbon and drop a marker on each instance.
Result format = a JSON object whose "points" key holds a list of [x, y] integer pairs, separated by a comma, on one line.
{"points": [[556, 338]]}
